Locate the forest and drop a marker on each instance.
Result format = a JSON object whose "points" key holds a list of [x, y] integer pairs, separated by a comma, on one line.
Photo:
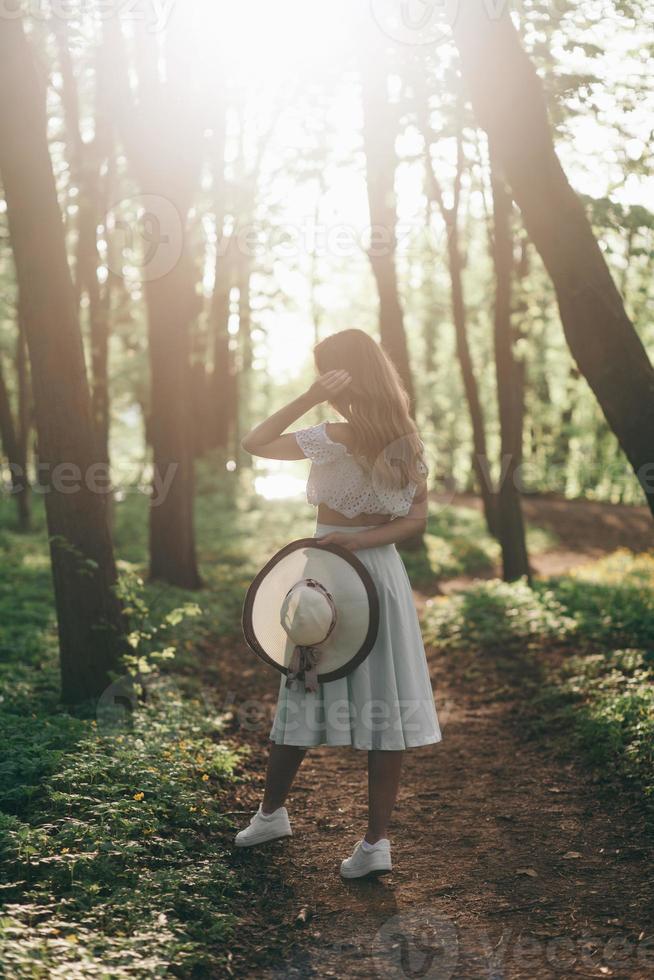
{"points": [[193, 194]]}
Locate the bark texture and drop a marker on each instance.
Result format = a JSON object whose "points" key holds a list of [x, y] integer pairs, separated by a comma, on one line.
{"points": [[11, 445], [85, 161], [162, 132], [90, 619], [510, 391], [379, 133]]}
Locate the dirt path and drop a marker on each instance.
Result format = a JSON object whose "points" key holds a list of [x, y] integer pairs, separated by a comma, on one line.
{"points": [[585, 529], [508, 862]]}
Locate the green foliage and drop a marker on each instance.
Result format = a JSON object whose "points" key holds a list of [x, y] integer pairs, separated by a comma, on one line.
{"points": [[147, 637], [597, 692], [608, 688], [612, 600], [616, 720], [496, 614], [456, 542], [603, 704], [111, 861], [115, 860]]}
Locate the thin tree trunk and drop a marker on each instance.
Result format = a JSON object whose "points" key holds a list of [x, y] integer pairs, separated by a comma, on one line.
{"points": [[450, 216], [90, 618], [231, 385], [244, 377], [99, 316], [99, 310], [480, 451], [86, 161], [314, 279], [507, 97], [11, 447], [379, 132], [23, 423], [515, 561], [222, 380]]}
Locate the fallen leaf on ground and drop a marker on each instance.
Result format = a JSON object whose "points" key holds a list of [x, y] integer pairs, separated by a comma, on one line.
{"points": [[303, 917]]}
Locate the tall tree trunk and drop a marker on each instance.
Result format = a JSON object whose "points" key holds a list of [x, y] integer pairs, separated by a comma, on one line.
{"points": [[90, 618], [11, 447], [85, 160], [508, 99], [244, 376], [480, 452], [379, 132], [314, 275], [172, 540], [222, 378], [23, 422], [93, 204], [162, 135], [515, 561], [231, 384]]}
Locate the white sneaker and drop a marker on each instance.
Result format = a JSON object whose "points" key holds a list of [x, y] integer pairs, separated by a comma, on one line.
{"points": [[264, 827], [362, 863]]}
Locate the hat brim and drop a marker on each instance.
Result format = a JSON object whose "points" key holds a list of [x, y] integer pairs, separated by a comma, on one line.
{"points": [[355, 595]]}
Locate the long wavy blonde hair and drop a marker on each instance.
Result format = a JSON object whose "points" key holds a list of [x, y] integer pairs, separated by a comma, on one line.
{"points": [[376, 404]]}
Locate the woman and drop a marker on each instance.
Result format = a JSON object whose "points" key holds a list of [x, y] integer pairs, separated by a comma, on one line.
{"points": [[368, 482]]}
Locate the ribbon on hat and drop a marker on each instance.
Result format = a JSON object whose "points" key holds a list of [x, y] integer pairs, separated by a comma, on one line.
{"points": [[303, 666]]}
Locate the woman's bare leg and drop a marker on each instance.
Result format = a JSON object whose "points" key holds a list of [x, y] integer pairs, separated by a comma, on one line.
{"points": [[384, 770], [283, 764]]}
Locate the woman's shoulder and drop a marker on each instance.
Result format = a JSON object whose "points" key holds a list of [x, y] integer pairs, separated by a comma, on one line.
{"points": [[322, 445], [339, 432]]}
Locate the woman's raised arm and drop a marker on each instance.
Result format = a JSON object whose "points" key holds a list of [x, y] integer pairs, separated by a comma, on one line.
{"points": [[267, 438]]}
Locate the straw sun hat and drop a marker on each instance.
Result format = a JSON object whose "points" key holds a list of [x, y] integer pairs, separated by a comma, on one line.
{"points": [[312, 612]]}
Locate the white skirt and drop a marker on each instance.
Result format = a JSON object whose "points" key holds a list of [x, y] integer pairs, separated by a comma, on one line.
{"points": [[387, 701]]}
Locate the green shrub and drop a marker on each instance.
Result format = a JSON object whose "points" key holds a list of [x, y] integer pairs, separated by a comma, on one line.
{"points": [[496, 614], [113, 864], [612, 600], [110, 855], [598, 692]]}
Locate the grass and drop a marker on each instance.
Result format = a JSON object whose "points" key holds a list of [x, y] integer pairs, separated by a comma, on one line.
{"points": [[457, 543], [605, 687], [588, 639], [111, 857], [113, 839]]}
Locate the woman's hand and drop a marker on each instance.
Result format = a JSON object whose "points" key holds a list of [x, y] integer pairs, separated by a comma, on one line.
{"points": [[350, 541], [328, 386]]}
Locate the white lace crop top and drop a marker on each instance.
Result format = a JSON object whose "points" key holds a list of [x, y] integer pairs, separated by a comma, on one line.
{"points": [[337, 479]]}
